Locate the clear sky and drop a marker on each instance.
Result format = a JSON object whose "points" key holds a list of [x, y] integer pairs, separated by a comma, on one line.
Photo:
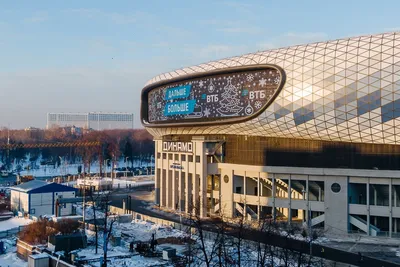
{"points": [[80, 56]]}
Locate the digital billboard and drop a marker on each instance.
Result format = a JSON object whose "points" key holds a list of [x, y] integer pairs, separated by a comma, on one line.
{"points": [[214, 97]]}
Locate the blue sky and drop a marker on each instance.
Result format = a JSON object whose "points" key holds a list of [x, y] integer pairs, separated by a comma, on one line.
{"points": [[80, 56]]}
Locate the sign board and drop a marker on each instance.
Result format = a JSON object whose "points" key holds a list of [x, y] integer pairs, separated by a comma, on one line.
{"points": [[185, 147], [215, 97], [176, 166]]}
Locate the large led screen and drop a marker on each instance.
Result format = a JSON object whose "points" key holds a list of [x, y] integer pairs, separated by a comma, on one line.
{"points": [[215, 97]]}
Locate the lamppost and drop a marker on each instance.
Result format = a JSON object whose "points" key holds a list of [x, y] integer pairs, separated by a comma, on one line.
{"points": [[126, 167]]}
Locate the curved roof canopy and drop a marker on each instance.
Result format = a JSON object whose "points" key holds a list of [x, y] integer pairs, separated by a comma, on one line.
{"points": [[341, 90]]}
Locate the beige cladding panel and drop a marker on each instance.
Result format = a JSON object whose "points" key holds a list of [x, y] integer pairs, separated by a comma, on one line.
{"points": [[335, 90]]}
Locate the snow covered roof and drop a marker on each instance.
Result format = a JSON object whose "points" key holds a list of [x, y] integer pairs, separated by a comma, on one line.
{"points": [[38, 186]]}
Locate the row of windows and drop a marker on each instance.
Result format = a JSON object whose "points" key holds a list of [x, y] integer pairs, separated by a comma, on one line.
{"points": [[176, 157], [183, 174], [90, 117]]}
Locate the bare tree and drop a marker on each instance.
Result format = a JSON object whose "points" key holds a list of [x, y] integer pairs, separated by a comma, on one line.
{"points": [[209, 237], [95, 221], [107, 228]]}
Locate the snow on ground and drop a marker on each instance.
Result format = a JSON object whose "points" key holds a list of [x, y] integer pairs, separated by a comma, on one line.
{"points": [[141, 230], [89, 214], [66, 168], [120, 183], [137, 261], [10, 257], [13, 223]]}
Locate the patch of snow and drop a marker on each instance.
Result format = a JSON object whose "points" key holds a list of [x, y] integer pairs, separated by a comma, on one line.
{"points": [[89, 214], [10, 257], [13, 223]]}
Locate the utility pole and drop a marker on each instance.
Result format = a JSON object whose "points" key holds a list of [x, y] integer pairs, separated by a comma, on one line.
{"points": [[105, 237], [8, 147], [83, 208]]}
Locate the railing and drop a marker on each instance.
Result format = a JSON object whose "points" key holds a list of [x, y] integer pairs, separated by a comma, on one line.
{"points": [[386, 234], [11, 232]]}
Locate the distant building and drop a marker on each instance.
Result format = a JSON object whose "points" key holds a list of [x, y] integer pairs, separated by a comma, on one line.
{"points": [[94, 183], [31, 129], [38, 198], [91, 120]]}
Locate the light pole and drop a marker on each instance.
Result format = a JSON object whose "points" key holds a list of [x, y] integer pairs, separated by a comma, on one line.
{"points": [[126, 167], [60, 166]]}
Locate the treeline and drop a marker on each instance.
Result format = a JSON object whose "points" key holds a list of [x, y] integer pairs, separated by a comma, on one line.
{"points": [[130, 145]]}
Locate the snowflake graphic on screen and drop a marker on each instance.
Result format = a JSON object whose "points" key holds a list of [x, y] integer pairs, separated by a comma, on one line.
{"points": [[277, 80], [207, 112], [229, 105], [250, 77], [258, 105], [262, 82]]}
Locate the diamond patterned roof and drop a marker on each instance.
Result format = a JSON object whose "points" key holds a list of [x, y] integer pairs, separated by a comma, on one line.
{"points": [[342, 90]]}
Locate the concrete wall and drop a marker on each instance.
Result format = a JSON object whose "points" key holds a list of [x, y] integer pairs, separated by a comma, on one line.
{"points": [[174, 189], [15, 200], [19, 201], [226, 202], [41, 204], [336, 205]]}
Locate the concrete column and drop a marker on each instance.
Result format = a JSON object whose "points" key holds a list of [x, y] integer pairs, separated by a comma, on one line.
{"points": [[244, 193], [258, 195], [319, 193], [188, 187], [212, 194], [368, 210], [196, 190], [375, 204], [156, 174], [189, 192], [162, 184], [390, 208], [202, 170], [175, 183], [303, 215], [196, 186], [273, 197], [169, 189], [395, 205], [182, 190], [308, 201], [290, 199]]}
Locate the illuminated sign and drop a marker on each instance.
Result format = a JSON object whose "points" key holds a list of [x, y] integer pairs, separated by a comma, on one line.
{"points": [[215, 97], [186, 147], [178, 92]]}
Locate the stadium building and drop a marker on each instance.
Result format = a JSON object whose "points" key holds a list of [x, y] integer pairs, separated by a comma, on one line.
{"points": [[305, 133]]}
